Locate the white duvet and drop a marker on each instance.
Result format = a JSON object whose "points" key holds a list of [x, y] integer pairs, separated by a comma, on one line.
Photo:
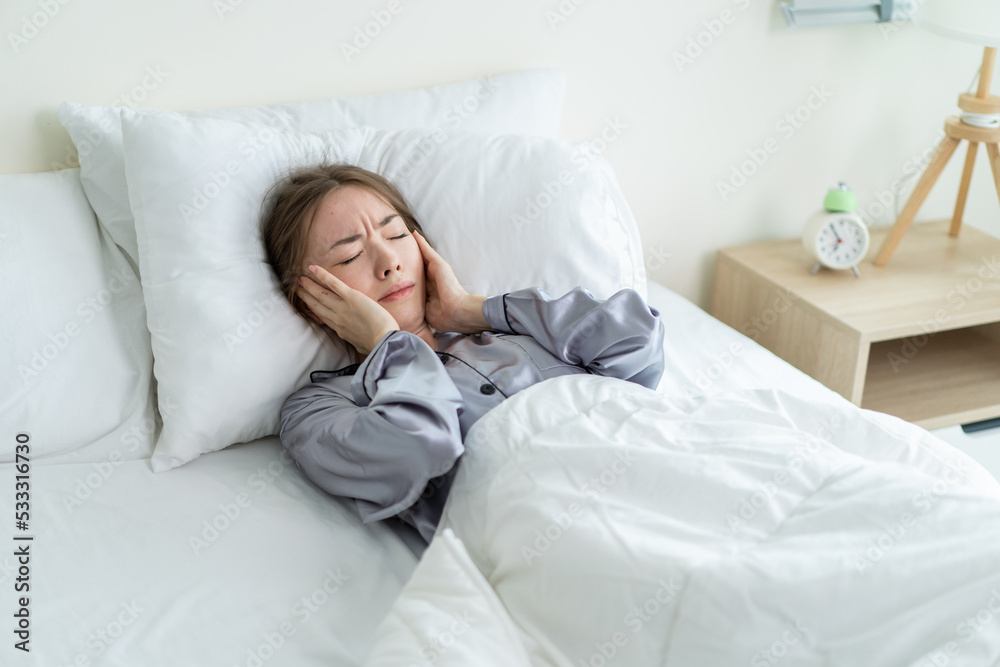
{"points": [[619, 526]]}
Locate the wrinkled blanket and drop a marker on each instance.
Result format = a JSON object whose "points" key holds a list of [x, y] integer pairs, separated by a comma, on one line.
{"points": [[620, 526]]}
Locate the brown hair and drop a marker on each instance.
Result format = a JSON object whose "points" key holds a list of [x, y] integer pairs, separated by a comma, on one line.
{"points": [[284, 229]]}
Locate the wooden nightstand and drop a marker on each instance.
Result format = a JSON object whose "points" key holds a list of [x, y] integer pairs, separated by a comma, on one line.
{"points": [[918, 338]]}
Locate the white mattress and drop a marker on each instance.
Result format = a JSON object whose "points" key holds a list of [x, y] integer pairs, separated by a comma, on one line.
{"points": [[117, 578]]}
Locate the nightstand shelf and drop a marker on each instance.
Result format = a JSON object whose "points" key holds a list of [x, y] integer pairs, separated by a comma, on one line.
{"points": [[918, 338], [953, 379]]}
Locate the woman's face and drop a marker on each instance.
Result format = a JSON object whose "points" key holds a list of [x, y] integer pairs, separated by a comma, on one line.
{"points": [[363, 241]]}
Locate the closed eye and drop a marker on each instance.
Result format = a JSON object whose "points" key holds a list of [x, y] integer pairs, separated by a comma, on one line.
{"points": [[392, 238]]}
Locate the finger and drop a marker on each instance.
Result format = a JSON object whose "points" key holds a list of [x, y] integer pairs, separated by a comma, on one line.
{"points": [[428, 253], [315, 303], [327, 279], [424, 244], [323, 313], [309, 285], [310, 314]]}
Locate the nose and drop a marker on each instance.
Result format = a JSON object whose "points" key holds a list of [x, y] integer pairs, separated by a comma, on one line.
{"points": [[387, 259]]}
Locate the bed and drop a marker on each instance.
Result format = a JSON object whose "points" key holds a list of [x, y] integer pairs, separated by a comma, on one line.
{"points": [[741, 513]]}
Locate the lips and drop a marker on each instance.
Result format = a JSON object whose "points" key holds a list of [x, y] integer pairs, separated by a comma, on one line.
{"points": [[398, 287]]}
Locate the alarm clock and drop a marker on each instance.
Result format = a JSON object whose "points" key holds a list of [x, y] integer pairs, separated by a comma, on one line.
{"points": [[837, 237]]}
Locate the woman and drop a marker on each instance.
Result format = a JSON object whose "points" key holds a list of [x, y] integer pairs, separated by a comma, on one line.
{"points": [[429, 358]]}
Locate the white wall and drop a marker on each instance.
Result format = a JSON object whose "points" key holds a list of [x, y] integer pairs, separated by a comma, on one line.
{"points": [[685, 128]]}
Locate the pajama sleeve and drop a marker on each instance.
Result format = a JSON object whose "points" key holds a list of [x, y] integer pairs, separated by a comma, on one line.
{"points": [[381, 445], [620, 337]]}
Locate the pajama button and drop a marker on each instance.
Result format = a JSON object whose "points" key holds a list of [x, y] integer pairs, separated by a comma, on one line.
{"points": [[487, 389]]}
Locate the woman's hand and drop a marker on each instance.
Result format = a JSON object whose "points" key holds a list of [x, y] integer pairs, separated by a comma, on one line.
{"points": [[355, 316], [449, 307]]}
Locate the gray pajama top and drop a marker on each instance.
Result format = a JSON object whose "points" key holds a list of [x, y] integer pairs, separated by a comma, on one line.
{"points": [[389, 432]]}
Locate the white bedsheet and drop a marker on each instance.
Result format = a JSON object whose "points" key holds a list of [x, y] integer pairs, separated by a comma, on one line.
{"points": [[122, 562], [234, 559], [620, 526]]}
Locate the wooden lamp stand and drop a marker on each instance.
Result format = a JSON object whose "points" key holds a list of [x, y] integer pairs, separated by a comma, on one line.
{"points": [[955, 130]]}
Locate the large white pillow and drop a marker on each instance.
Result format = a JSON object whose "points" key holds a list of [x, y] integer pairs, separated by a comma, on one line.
{"points": [[75, 363], [447, 615], [526, 102], [506, 211]]}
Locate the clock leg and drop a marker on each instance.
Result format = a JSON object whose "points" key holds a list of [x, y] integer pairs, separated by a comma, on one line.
{"points": [[944, 152], [994, 153], [857, 274], [963, 189]]}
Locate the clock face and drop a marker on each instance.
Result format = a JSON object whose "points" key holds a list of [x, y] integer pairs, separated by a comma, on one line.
{"points": [[841, 242]]}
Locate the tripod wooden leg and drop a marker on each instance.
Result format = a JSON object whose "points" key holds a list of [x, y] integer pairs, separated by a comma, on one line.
{"points": [[963, 189], [994, 152], [944, 152]]}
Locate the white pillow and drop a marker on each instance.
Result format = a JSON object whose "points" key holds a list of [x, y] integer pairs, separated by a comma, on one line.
{"points": [[526, 102], [75, 364], [447, 614], [229, 349]]}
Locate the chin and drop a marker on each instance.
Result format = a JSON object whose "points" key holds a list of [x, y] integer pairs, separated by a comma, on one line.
{"points": [[401, 312]]}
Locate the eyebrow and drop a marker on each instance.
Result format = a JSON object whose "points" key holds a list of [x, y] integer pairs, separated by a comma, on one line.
{"points": [[351, 239]]}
